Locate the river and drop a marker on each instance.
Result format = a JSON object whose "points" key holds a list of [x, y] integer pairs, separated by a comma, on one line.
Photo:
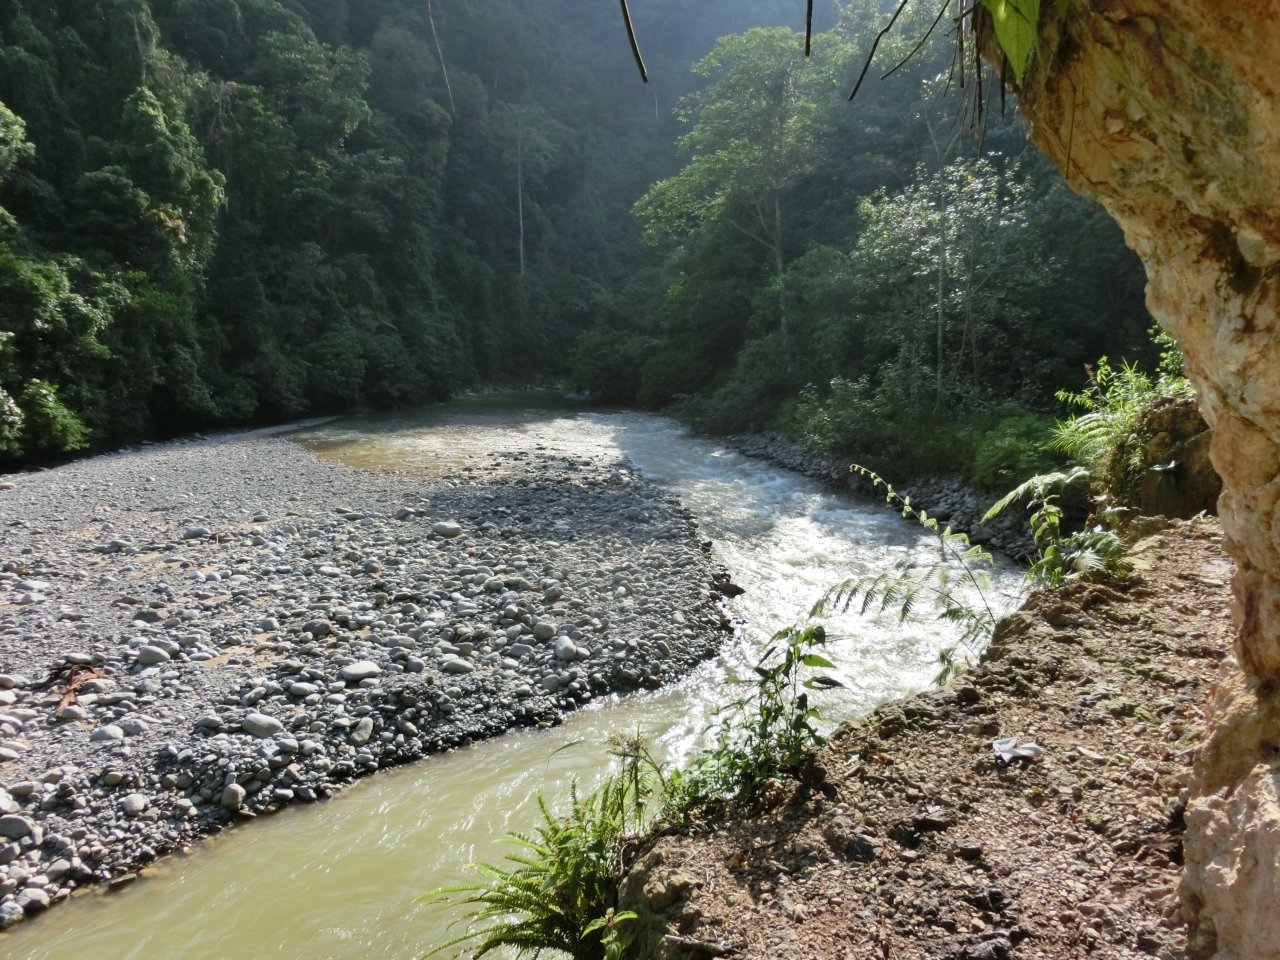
{"points": [[336, 880]]}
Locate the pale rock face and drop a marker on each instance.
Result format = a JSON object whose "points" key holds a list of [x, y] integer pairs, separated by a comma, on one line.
{"points": [[1231, 869], [1168, 113]]}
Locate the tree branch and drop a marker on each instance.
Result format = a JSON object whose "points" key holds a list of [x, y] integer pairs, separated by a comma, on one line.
{"points": [[631, 36]]}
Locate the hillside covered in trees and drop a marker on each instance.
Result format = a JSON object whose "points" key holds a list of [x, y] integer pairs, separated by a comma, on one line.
{"points": [[219, 212]]}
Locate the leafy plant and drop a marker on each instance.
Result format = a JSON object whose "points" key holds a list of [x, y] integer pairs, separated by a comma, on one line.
{"points": [[50, 425], [1017, 28], [1091, 554], [561, 892], [771, 731], [1016, 447], [935, 591], [1104, 439]]}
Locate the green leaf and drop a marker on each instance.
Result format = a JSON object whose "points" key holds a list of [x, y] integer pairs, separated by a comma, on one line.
{"points": [[822, 682], [813, 660], [1017, 26]]}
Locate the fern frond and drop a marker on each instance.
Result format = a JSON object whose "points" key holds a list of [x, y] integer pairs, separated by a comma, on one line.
{"points": [[1037, 488]]}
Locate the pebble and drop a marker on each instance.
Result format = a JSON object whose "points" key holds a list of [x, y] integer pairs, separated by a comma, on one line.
{"points": [[134, 804], [150, 656], [362, 733], [262, 726], [361, 670], [15, 827], [133, 727], [232, 797], [447, 529]]}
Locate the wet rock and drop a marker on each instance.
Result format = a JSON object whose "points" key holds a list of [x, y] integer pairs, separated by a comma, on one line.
{"points": [[32, 900], [232, 797]]}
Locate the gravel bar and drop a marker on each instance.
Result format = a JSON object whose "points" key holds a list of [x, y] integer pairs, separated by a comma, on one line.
{"points": [[202, 631]]}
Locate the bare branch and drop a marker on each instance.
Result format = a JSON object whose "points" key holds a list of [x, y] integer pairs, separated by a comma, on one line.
{"points": [[879, 36], [631, 36], [916, 48]]}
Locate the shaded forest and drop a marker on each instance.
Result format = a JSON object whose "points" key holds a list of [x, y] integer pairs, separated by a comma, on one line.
{"points": [[220, 212]]}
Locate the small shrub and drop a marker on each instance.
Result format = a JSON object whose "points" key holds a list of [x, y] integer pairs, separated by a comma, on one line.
{"points": [[854, 419], [50, 426], [768, 733], [1105, 439], [562, 892], [605, 363], [1094, 553]]}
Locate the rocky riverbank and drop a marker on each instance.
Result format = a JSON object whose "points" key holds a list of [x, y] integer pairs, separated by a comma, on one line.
{"points": [[949, 500], [1033, 809], [203, 631]]}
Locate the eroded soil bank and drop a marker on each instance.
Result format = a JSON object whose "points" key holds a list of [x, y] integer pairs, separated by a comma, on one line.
{"points": [[198, 632], [926, 842]]}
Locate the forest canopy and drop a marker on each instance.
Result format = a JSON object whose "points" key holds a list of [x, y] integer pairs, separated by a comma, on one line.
{"points": [[217, 212]]}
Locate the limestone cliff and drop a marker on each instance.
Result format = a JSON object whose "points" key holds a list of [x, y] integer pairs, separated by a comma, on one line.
{"points": [[1169, 114]]}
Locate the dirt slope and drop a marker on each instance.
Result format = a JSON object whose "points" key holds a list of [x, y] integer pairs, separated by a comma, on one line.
{"points": [[924, 843]]}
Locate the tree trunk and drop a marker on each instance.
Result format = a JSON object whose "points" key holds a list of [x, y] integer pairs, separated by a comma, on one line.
{"points": [[1168, 113], [520, 190], [941, 319], [444, 70], [778, 266]]}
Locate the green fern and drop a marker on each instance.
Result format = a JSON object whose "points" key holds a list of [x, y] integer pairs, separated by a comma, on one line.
{"points": [[1092, 554], [936, 591], [560, 894]]}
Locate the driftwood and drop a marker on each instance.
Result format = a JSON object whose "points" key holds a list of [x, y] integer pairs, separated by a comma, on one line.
{"points": [[75, 677]]}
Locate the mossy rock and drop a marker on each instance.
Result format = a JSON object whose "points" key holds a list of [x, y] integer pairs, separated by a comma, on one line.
{"points": [[1163, 468]]}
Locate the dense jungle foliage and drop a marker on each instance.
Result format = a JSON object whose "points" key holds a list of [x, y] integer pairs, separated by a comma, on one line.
{"points": [[223, 211], [216, 212], [889, 279]]}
